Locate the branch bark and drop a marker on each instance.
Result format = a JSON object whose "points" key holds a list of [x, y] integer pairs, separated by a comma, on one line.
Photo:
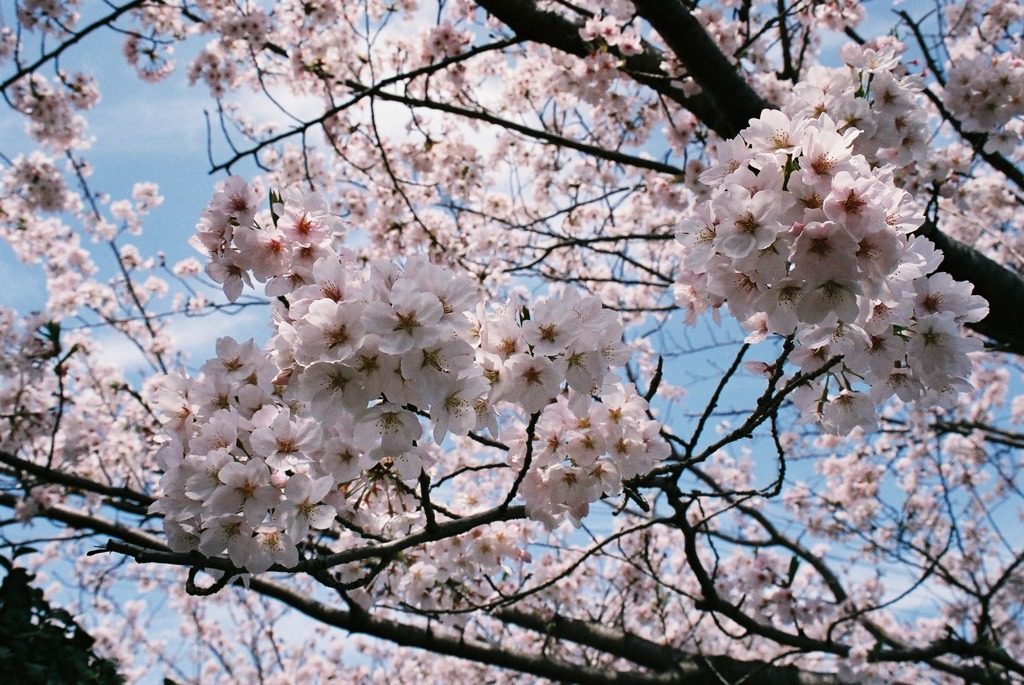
{"points": [[722, 80], [554, 30], [693, 669], [674, 667]]}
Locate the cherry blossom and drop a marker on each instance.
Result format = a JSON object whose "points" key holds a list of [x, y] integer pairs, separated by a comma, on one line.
{"points": [[832, 270], [494, 416]]}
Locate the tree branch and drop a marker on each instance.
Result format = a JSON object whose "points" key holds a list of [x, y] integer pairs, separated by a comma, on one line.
{"points": [[67, 43], [51, 475], [556, 31], [438, 641], [163, 555], [722, 80], [692, 669]]}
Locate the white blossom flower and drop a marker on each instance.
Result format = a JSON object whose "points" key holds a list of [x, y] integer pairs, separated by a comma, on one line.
{"points": [[410, 318]]}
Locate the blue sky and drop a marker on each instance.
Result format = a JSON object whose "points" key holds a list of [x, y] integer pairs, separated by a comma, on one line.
{"points": [[141, 132]]}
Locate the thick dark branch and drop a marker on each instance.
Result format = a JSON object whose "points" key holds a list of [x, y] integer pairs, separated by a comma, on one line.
{"points": [[592, 634], [50, 475], [693, 669], [556, 31], [461, 646], [733, 97], [1003, 289]]}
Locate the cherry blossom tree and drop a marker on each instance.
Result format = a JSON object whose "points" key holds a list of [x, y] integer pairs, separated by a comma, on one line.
{"points": [[608, 342]]}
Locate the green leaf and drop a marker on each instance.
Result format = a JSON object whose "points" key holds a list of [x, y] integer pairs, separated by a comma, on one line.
{"points": [[275, 198], [794, 565]]}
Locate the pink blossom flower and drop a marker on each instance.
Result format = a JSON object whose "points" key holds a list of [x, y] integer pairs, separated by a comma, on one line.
{"points": [[410, 318], [301, 508], [283, 440], [532, 382], [243, 489]]}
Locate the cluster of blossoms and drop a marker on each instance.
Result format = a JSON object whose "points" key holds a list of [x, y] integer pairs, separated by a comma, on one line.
{"points": [[48, 16], [578, 459], [264, 443], [613, 32], [51, 108], [444, 41], [62, 407], [986, 93], [803, 237], [37, 182], [872, 94]]}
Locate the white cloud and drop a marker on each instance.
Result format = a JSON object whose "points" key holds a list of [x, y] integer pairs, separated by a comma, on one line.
{"points": [[195, 337]]}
